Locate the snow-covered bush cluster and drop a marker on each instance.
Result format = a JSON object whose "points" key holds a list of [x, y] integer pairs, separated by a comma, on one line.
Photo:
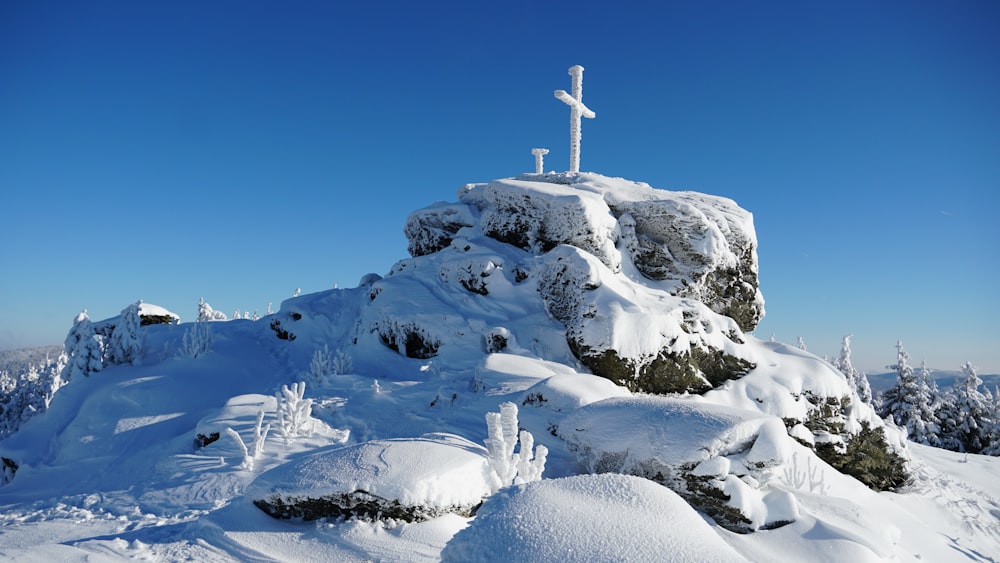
{"points": [[294, 411], [197, 341]]}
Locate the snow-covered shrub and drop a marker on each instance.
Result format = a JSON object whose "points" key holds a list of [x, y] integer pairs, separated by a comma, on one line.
{"points": [[509, 467], [293, 411], [325, 364], [8, 468], [496, 340], [197, 341], [125, 343], [409, 339], [321, 365], [281, 332]]}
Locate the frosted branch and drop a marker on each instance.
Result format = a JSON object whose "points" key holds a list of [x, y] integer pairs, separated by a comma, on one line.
{"points": [[502, 437]]}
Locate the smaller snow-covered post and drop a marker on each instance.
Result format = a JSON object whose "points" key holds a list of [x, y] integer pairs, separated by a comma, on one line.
{"points": [[539, 159], [577, 110]]}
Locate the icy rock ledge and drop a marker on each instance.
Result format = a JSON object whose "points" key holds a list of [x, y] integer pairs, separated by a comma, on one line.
{"points": [[728, 463], [411, 479]]}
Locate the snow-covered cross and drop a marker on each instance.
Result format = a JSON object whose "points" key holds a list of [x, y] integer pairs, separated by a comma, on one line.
{"points": [[539, 159], [577, 110]]}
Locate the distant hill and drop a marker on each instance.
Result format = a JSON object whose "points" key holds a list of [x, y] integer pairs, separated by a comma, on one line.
{"points": [[17, 361], [944, 379]]}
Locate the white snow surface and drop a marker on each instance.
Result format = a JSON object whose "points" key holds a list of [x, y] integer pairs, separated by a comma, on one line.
{"points": [[626, 519], [111, 470], [436, 470]]}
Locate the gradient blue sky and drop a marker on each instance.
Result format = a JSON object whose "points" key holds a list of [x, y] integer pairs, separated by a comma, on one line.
{"points": [[238, 150]]}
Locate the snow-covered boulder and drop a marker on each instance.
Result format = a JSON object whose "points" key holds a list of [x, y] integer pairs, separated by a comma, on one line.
{"points": [[721, 459], [410, 479], [704, 243], [633, 520], [432, 228], [686, 243], [639, 337]]}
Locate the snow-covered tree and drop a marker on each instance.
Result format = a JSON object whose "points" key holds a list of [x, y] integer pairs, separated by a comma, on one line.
{"points": [[207, 313], [84, 348], [125, 343], [969, 412], [857, 381], [993, 448], [801, 344], [909, 403], [55, 378]]}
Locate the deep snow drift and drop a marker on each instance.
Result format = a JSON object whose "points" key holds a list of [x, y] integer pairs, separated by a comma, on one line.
{"points": [[567, 295]]}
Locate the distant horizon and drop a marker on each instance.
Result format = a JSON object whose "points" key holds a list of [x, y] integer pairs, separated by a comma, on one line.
{"points": [[234, 156]]}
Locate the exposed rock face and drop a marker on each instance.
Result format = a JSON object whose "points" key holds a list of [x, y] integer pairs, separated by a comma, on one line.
{"points": [[432, 228], [686, 347]]}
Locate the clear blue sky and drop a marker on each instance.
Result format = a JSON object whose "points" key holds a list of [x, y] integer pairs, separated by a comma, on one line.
{"points": [[238, 150]]}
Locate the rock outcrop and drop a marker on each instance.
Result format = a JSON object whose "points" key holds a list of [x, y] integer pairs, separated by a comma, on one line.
{"points": [[607, 255]]}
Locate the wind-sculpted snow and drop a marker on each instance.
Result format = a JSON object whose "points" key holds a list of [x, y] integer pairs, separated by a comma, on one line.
{"points": [[632, 520]]}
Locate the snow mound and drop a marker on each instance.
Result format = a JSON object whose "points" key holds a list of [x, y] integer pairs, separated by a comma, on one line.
{"points": [[565, 392], [637, 520], [406, 478]]}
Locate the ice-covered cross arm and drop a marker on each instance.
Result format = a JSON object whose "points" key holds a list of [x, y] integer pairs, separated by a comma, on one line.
{"points": [[576, 111]]}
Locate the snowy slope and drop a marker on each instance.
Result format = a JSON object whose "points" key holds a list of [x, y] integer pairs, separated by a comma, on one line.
{"points": [[115, 469]]}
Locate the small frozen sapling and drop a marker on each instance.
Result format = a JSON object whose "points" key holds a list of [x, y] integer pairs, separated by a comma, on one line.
{"points": [[509, 467], [197, 341], [321, 365], [252, 452], [293, 411], [342, 363]]}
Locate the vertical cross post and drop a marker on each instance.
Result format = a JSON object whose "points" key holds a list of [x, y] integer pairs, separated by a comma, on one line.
{"points": [[576, 111], [539, 159]]}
